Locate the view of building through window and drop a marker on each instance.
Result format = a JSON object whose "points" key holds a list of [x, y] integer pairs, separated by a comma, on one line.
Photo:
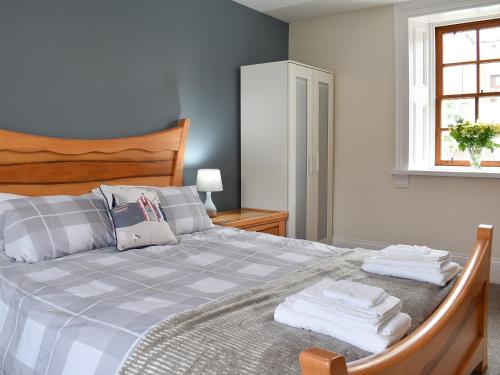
{"points": [[467, 84]]}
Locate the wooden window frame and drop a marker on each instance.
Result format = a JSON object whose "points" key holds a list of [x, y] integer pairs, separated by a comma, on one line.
{"points": [[440, 31]]}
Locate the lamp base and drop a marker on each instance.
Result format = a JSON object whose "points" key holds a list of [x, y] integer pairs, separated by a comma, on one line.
{"points": [[210, 206]]}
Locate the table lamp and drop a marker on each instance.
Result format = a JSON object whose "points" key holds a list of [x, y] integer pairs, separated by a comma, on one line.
{"points": [[208, 181]]}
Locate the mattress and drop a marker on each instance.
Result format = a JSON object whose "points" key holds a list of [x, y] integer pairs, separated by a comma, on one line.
{"points": [[84, 314]]}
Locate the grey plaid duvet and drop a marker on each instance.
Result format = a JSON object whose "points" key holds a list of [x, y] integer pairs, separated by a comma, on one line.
{"points": [[83, 314]]}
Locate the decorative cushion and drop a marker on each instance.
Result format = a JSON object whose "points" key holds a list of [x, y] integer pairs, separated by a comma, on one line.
{"points": [[138, 217], [183, 209], [41, 228]]}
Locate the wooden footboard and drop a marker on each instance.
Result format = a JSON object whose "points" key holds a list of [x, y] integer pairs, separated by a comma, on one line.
{"points": [[452, 341]]}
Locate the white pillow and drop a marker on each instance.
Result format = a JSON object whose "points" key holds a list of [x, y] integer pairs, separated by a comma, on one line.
{"points": [[5, 197]]}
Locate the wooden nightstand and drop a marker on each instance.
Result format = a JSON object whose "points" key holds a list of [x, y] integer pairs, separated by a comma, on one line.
{"points": [[272, 222]]}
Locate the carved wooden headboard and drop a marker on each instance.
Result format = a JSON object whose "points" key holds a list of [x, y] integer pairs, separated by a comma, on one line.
{"points": [[36, 165]]}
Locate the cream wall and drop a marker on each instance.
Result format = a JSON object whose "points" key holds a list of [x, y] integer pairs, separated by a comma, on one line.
{"points": [[439, 211]]}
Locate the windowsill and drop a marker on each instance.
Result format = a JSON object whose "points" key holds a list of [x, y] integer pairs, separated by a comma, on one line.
{"points": [[485, 172]]}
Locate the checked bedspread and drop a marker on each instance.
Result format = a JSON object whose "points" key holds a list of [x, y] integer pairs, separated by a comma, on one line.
{"points": [[83, 314]]}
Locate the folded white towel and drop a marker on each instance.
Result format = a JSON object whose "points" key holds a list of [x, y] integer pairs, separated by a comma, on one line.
{"points": [[324, 308], [393, 261], [312, 298], [388, 325], [447, 272], [422, 253], [361, 338], [354, 293], [407, 249]]}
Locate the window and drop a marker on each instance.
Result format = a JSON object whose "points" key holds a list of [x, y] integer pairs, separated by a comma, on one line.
{"points": [[467, 85]]}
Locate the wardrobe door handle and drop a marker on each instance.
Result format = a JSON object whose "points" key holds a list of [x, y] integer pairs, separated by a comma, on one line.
{"points": [[316, 160]]}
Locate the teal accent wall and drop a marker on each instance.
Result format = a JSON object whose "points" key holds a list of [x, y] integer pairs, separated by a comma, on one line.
{"points": [[114, 68]]}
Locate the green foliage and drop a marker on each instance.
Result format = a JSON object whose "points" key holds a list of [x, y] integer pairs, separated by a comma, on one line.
{"points": [[474, 137]]}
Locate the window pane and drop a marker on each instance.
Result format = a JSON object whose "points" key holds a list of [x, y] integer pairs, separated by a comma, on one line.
{"points": [[460, 79], [454, 108], [490, 43], [489, 109], [459, 46], [449, 148], [490, 77], [495, 155]]}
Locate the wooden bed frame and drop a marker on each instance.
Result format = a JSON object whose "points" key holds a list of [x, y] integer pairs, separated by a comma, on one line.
{"points": [[453, 341], [36, 165]]}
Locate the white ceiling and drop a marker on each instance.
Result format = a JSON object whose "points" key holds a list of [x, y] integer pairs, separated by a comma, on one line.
{"points": [[297, 10]]}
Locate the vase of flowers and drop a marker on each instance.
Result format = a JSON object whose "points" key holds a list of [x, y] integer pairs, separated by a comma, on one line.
{"points": [[474, 138]]}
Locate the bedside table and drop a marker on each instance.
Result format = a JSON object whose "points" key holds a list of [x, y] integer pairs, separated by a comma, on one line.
{"points": [[254, 220]]}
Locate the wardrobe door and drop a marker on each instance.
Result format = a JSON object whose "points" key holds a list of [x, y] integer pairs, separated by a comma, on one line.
{"points": [[300, 137], [321, 227]]}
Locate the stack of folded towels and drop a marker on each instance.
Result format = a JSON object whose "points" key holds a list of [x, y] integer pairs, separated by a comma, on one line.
{"points": [[413, 262], [361, 315]]}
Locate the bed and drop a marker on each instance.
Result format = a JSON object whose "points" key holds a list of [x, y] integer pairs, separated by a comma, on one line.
{"points": [[54, 323]]}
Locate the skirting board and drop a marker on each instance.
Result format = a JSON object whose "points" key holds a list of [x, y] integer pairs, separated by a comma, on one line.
{"points": [[459, 258]]}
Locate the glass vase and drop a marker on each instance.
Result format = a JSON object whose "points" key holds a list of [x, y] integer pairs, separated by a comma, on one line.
{"points": [[475, 155]]}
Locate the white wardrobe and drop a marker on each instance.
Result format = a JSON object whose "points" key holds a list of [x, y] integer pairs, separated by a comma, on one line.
{"points": [[287, 145]]}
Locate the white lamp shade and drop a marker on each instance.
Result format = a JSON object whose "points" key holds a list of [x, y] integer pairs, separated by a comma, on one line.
{"points": [[209, 180]]}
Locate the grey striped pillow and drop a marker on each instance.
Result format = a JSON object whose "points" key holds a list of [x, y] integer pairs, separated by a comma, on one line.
{"points": [[41, 228], [183, 209]]}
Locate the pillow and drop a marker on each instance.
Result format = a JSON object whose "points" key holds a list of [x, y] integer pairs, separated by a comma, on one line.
{"points": [[41, 228], [5, 197], [183, 209], [138, 217]]}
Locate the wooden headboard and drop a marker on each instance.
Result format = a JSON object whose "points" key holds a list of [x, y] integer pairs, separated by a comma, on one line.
{"points": [[36, 165]]}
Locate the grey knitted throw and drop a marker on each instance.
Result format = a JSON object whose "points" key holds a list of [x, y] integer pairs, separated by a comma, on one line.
{"points": [[237, 335]]}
